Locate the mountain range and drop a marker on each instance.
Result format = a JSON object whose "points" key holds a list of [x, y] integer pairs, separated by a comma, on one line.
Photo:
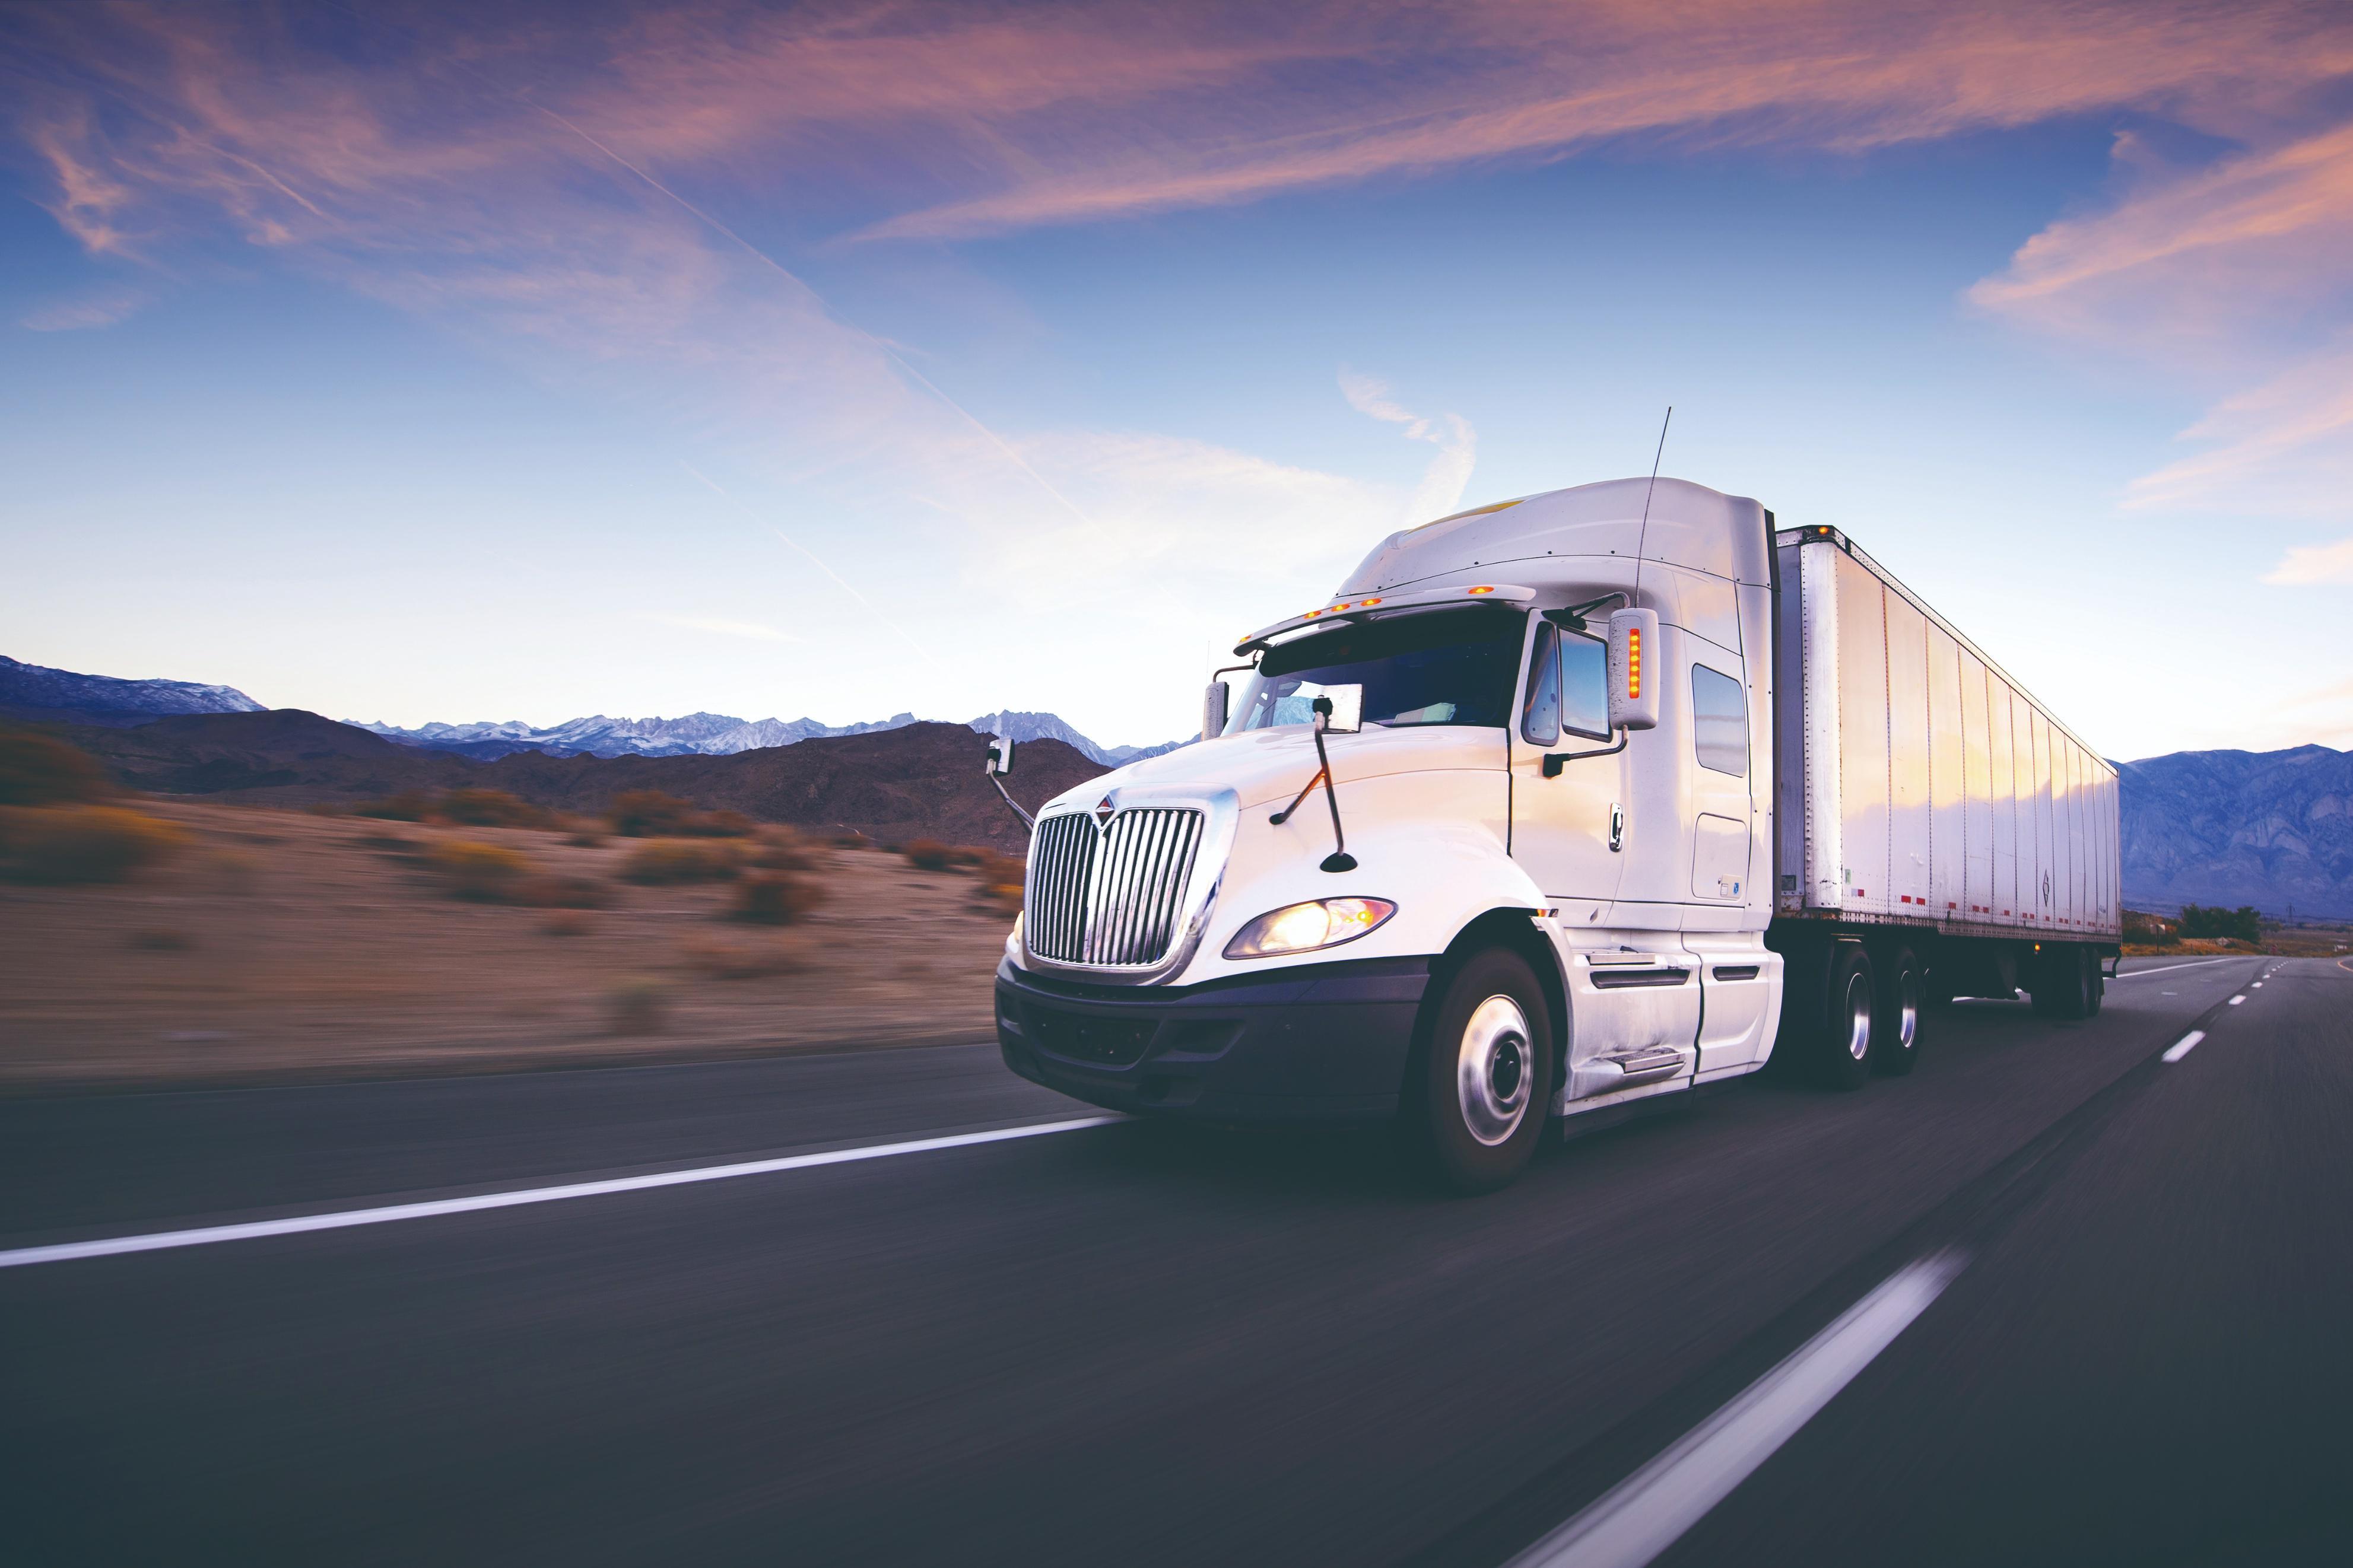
{"points": [[61, 696], [717, 735], [2273, 829]]}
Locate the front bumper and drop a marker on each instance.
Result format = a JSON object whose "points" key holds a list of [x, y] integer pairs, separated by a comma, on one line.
{"points": [[1320, 1042]]}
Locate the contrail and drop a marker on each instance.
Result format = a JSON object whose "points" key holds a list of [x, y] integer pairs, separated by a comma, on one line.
{"points": [[845, 584]]}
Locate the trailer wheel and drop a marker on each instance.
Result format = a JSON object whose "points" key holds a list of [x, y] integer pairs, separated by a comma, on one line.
{"points": [[2067, 982], [1902, 1002], [1480, 1090]]}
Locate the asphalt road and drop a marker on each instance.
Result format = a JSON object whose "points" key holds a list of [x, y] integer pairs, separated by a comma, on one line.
{"points": [[1130, 1343]]}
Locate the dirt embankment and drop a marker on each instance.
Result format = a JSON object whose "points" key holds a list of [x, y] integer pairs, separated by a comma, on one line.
{"points": [[279, 946]]}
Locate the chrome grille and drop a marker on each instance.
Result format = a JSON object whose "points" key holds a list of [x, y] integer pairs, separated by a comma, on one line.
{"points": [[1110, 897]]}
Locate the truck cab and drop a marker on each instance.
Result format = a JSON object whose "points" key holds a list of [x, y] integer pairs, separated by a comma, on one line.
{"points": [[1479, 842]]}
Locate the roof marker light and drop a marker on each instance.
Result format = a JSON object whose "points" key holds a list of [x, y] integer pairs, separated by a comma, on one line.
{"points": [[1482, 590]]}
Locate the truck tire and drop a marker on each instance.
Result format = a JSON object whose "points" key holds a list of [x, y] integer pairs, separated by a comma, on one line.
{"points": [[1479, 1090], [2066, 982], [1838, 1045], [1902, 1008]]}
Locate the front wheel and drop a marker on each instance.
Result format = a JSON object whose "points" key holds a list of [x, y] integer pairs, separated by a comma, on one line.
{"points": [[1835, 1027], [1479, 1090]]}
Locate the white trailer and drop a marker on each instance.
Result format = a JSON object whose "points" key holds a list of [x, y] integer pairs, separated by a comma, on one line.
{"points": [[1560, 806]]}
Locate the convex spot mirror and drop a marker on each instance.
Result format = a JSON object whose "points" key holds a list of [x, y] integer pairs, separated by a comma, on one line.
{"points": [[1346, 710], [1634, 669], [1000, 756]]}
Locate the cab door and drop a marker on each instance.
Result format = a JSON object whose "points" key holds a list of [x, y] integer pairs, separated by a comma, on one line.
{"points": [[1567, 829]]}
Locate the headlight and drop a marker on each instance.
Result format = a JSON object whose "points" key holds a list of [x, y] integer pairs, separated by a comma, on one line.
{"points": [[1296, 928]]}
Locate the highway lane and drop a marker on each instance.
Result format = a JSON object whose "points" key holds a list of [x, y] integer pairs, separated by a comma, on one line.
{"points": [[1123, 1342]]}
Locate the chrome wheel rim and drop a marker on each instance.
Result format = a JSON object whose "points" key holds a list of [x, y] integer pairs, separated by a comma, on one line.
{"points": [[1858, 1015], [1494, 1070], [1907, 1009]]}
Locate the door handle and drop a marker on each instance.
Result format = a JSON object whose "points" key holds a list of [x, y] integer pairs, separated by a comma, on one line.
{"points": [[1617, 827]]}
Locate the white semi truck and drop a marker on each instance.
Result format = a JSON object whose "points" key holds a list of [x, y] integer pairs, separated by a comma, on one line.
{"points": [[1557, 807]]}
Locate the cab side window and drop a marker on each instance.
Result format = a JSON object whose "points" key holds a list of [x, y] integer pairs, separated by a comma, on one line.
{"points": [[1719, 721]]}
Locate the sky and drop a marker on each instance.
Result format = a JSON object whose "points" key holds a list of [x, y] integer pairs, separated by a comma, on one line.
{"points": [[413, 362]]}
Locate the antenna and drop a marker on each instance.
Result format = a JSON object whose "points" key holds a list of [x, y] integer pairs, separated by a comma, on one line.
{"points": [[1645, 531]]}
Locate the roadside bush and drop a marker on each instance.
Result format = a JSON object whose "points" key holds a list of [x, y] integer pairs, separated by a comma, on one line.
{"points": [[402, 805], [852, 840], [636, 1006], [2241, 923], [486, 873], [782, 850], [2149, 930], [667, 860], [929, 855], [1000, 877], [722, 824], [489, 808], [649, 814], [42, 771], [777, 898], [35, 769], [70, 844], [553, 891]]}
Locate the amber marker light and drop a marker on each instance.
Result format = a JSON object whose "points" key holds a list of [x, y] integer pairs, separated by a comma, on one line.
{"points": [[1633, 664], [1482, 590]]}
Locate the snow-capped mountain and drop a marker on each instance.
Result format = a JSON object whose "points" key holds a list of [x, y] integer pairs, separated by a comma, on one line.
{"points": [[704, 734], [715, 735], [1017, 727], [36, 690]]}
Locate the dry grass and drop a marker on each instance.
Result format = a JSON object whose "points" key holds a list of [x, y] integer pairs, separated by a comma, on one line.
{"points": [[344, 957], [777, 898]]}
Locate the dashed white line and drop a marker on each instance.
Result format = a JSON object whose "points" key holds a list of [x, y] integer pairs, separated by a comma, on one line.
{"points": [[2239, 998], [204, 1235], [1646, 1513], [2184, 1046], [2169, 968]]}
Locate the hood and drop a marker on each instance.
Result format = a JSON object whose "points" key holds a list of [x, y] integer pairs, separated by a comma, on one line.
{"points": [[1272, 765]]}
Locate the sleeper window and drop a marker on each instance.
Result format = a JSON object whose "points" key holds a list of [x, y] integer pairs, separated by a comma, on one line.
{"points": [[1719, 721]]}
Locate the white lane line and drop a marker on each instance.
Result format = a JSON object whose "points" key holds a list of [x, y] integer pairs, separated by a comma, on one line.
{"points": [[2239, 998], [204, 1235], [2258, 985], [2168, 968], [2184, 1046], [1646, 1513]]}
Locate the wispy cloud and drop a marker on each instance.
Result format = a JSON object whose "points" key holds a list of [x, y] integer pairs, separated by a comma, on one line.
{"points": [[2309, 565], [81, 312], [1448, 474], [751, 631]]}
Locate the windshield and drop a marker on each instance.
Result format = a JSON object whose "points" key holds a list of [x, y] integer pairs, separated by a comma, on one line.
{"points": [[1452, 667]]}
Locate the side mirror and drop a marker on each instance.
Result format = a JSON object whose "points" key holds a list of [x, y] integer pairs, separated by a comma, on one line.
{"points": [[1213, 710], [1000, 755], [1634, 669]]}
